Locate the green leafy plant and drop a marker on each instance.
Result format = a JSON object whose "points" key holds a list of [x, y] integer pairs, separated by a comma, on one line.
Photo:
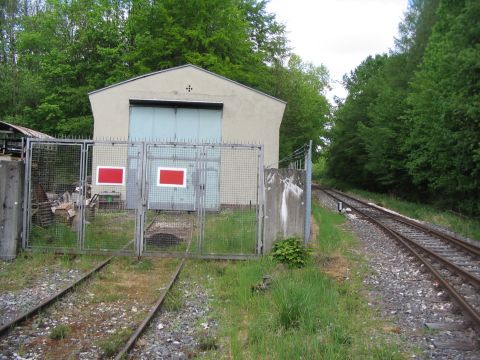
{"points": [[291, 252]]}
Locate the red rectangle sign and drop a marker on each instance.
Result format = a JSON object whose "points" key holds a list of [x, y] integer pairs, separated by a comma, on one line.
{"points": [[110, 175], [175, 177]]}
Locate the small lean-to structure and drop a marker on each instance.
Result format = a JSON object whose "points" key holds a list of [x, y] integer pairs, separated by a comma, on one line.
{"points": [[12, 137]]}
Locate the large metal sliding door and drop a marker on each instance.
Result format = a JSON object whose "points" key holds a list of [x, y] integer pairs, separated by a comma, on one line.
{"points": [[177, 124]]}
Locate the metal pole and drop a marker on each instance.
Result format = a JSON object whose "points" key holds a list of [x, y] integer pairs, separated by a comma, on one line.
{"points": [[142, 194], [261, 201], [308, 193], [26, 194], [82, 194]]}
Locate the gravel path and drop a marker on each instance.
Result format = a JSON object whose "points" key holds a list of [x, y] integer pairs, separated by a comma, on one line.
{"points": [[178, 334], [51, 280], [406, 295]]}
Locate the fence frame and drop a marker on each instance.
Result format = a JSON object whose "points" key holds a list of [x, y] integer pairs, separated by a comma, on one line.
{"points": [[141, 209]]}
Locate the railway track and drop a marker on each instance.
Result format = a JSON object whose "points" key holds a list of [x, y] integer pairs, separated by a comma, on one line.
{"points": [[8, 331], [52, 299], [453, 262]]}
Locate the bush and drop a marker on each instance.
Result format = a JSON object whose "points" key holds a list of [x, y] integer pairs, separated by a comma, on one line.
{"points": [[290, 252]]}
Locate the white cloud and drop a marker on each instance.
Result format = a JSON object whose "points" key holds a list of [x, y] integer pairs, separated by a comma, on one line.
{"points": [[339, 33]]}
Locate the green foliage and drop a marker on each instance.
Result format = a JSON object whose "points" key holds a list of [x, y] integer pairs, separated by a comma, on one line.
{"points": [[114, 342], [290, 252], [305, 314], [457, 223], [410, 124], [444, 141], [173, 300], [319, 168], [53, 53], [302, 86], [293, 305], [207, 342], [59, 332]]}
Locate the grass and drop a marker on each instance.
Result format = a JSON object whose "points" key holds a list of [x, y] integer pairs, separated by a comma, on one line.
{"points": [[230, 232], [173, 300], [306, 313], [59, 332], [226, 232], [457, 223], [27, 267], [111, 230], [112, 345]]}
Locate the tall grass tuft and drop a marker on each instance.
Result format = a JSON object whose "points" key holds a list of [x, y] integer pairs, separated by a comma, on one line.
{"points": [[292, 306]]}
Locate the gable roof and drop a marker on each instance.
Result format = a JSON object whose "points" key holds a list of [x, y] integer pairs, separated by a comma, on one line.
{"points": [[181, 67]]}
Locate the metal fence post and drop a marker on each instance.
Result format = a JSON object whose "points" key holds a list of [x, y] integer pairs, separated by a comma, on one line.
{"points": [[142, 186], [82, 194], [308, 193], [26, 194], [261, 201]]}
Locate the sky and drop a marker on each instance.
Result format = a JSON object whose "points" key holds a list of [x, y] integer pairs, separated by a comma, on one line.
{"points": [[339, 34]]}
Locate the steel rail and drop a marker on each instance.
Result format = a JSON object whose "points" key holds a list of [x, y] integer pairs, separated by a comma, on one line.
{"points": [[52, 298], [138, 332], [471, 248], [471, 278], [468, 310]]}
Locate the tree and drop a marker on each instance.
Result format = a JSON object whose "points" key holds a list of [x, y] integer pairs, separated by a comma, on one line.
{"points": [[302, 85], [348, 153], [444, 141]]}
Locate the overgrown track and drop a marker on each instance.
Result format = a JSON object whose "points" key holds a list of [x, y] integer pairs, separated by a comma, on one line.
{"points": [[454, 263], [138, 332], [44, 304]]}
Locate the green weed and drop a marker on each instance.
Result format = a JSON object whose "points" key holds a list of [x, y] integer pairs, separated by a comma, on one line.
{"points": [[173, 300], [59, 332], [207, 342], [290, 252], [114, 342]]}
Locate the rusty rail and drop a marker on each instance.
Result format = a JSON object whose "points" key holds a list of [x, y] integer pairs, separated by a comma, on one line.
{"points": [[53, 298], [410, 245], [141, 328]]}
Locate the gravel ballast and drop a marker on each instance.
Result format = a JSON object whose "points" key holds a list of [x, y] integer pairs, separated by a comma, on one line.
{"points": [[177, 334], [407, 295], [48, 283]]}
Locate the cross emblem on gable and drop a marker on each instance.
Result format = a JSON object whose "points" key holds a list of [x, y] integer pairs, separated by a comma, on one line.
{"points": [[189, 88]]}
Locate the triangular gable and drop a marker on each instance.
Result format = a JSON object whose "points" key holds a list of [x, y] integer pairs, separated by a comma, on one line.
{"points": [[182, 67]]}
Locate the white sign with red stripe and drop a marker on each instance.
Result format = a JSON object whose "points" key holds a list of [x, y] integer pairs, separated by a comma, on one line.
{"points": [[172, 177], [110, 175]]}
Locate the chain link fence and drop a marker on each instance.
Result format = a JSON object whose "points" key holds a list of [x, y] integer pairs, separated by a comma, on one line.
{"points": [[138, 198]]}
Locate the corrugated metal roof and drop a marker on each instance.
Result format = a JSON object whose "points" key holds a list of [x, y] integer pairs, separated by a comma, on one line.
{"points": [[184, 66], [27, 132]]}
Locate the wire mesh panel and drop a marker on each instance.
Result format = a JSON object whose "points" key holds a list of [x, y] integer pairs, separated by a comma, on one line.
{"points": [[54, 215], [113, 179], [171, 184], [231, 178], [139, 197]]}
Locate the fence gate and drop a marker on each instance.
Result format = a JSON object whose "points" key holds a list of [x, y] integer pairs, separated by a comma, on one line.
{"points": [[137, 198]]}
